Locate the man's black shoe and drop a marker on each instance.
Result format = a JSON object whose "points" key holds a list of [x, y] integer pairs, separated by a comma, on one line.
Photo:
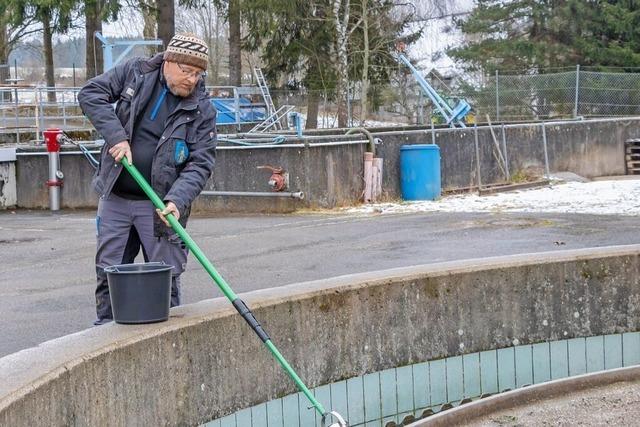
{"points": [[99, 322]]}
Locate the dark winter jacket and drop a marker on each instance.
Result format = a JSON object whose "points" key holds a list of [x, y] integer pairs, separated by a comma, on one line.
{"points": [[173, 178]]}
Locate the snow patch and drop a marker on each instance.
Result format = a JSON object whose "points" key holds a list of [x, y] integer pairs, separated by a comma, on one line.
{"points": [[614, 197]]}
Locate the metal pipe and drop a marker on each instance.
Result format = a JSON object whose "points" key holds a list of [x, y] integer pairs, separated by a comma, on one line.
{"points": [[320, 144], [54, 183], [62, 153], [372, 145], [526, 125], [293, 195], [252, 147]]}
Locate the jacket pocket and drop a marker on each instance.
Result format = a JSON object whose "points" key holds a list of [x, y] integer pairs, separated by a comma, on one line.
{"points": [[123, 109], [180, 152]]}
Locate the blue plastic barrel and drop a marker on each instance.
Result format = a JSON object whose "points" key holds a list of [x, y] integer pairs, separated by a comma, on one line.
{"points": [[420, 172]]}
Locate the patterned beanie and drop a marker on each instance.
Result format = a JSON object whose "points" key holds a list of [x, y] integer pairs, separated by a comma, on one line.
{"points": [[187, 49]]}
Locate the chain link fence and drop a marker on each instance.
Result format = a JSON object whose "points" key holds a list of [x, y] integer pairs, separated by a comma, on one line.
{"points": [[563, 94], [559, 95]]}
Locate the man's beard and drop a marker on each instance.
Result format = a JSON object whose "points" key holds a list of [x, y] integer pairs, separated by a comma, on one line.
{"points": [[180, 91]]}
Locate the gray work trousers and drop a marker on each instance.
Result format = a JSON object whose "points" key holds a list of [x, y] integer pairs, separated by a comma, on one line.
{"points": [[114, 221]]}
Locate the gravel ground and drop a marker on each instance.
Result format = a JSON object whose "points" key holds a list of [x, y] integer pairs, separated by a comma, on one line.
{"points": [[612, 405]]}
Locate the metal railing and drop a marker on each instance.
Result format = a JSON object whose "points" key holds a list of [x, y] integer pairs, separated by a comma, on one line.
{"points": [[33, 109], [567, 93]]}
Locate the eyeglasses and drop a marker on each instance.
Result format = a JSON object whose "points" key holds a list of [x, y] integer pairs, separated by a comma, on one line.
{"points": [[196, 74]]}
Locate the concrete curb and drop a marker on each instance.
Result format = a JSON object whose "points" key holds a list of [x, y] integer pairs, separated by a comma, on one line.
{"points": [[467, 413], [110, 375]]}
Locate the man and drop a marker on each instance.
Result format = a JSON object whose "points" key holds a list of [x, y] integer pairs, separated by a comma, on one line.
{"points": [[164, 123]]}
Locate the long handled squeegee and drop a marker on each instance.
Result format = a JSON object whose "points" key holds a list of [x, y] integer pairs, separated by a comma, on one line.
{"points": [[239, 305]]}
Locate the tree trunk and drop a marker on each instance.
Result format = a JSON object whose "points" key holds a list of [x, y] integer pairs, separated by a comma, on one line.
{"points": [[166, 20], [4, 60], [342, 64], [365, 65], [235, 58], [48, 55], [215, 58], [149, 18], [313, 106], [94, 60]]}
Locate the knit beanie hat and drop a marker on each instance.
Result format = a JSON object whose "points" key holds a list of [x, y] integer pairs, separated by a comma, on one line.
{"points": [[187, 49]]}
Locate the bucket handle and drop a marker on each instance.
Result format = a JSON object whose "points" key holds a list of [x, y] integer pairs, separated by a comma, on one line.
{"points": [[114, 268]]}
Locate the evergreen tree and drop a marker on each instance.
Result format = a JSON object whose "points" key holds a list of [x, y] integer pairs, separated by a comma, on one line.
{"points": [[542, 34], [321, 45]]}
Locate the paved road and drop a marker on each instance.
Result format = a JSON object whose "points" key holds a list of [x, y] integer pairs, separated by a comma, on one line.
{"points": [[47, 272]]}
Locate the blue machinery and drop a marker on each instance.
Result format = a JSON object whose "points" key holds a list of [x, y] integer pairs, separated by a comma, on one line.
{"points": [[236, 105], [107, 48], [452, 116]]}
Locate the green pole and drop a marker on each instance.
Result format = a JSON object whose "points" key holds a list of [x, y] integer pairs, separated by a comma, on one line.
{"points": [[222, 284]]}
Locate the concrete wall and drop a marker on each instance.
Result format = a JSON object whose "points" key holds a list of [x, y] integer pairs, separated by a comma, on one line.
{"points": [[205, 362], [330, 176], [589, 148]]}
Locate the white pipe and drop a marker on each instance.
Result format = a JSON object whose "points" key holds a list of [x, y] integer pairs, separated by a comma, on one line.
{"points": [[63, 153], [297, 195], [515, 125], [320, 144]]}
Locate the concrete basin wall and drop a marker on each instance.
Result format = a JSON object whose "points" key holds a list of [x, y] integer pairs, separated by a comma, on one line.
{"points": [[331, 175], [205, 362]]}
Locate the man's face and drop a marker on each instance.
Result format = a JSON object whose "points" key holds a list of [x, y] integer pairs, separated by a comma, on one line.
{"points": [[181, 79]]}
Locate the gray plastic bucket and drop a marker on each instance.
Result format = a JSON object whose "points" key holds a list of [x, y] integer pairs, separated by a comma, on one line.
{"points": [[140, 293]]}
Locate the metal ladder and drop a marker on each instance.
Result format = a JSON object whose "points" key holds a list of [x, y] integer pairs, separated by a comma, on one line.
{"points": [[264, 89], [274, 120]]}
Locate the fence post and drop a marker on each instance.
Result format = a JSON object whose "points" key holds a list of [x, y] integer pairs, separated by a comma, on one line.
{"points": [[497, 99], [64, 112], [475, 140], [546, 153], [504, 149], [17, 115], [42, 110], [36, 111], [349, 119], [575, 107]]}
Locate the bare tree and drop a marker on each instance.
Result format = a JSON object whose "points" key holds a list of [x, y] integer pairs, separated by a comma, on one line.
{"points": [[207, 22], [340, 15], [12, 31], [235, 54]]}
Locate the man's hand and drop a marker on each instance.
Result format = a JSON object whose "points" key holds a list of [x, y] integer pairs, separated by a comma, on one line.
{"points": [[120, 150], [170, 208]]}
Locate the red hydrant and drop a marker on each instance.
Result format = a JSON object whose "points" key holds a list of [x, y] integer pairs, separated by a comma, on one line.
{"points": [[279, 179], [52, 139]]}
